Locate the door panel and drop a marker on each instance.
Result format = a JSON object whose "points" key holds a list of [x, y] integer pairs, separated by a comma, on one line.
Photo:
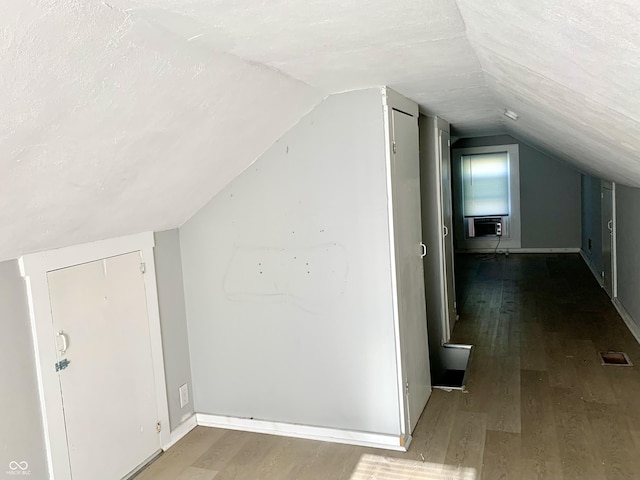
{"points": [[607, 239], [108, 387], [447, 217], [405, 186]]}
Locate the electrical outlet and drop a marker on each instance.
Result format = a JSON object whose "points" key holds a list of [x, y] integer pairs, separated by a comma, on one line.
{"points": [[184, 395]]}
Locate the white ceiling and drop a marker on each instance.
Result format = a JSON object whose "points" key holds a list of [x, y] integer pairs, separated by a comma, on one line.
{"points": [[129, 115]]}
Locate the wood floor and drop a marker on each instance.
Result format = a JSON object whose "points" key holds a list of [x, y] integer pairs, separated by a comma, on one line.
{"points": [[539, 403]]}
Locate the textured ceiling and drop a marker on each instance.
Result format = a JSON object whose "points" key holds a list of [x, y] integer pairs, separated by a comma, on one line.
{"points": [[571, 70], [129, 115]]}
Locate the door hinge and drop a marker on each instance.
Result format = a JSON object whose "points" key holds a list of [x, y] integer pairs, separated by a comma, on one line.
{"points": [[158, 426], [394, 147], [143, 267], [406, 389], [62, 364], [448, 143]]}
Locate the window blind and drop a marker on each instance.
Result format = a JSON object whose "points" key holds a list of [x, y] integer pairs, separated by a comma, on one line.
{"points": [[485, 184]]}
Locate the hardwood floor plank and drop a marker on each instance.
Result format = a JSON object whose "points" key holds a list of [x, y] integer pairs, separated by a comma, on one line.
{"points": [[192, 473], [625, 383], [182, 455], [561, 360], [249, 459], [503, 409], [579, 455], [635, 434], [223, 450], [594, 380], [614, 441], [536, 470], [501, 456], [330, 460], [532, 351], [478, 391], [466, 447], [433, 433], [539, 437]]}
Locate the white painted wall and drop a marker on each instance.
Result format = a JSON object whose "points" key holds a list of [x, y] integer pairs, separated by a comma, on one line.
{"points": [[173, 322], [288, 283], [21, 432]]}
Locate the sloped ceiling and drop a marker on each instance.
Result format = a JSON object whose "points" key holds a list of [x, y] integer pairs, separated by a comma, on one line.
{"points": [[572, 72], [128, 115]]}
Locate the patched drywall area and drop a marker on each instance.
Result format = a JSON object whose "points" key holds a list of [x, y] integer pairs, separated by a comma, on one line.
{"points": [[21, 432], [550, 201], [288, 282]]}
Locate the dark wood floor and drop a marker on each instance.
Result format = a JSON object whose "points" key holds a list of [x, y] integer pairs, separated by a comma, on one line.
{"points": [[539, 404]]}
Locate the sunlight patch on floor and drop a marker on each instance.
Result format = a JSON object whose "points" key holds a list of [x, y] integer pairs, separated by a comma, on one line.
{"points": [[376, 467]]}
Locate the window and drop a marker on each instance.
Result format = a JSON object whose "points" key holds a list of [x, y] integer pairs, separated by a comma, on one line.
{"points": [[485, 184], [487, 193]]}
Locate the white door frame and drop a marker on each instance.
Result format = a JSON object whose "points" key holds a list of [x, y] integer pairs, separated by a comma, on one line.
{"points": [[446, 275], [392, 100], [614, 250], [614, 262], [34, 269]]}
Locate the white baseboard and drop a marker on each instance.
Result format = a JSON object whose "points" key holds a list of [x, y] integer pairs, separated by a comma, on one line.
{"points": [[546, 250], [628, 319], [592, 267], [520, 250], [366, 439], [181, 430]]}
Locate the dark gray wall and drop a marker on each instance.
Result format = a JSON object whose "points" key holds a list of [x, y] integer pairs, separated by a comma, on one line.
{"points": [[592, 222], [549, 195], [628, 253], [21, 431], [173, 322]]}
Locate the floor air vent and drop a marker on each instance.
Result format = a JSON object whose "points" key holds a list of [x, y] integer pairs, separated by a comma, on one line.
{"points": [[619, 359]]}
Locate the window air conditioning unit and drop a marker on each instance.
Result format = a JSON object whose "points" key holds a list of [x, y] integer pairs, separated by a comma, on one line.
{"points": [[484, 227]]}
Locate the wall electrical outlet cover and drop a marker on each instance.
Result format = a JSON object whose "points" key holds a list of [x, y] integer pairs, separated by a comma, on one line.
{"points": [[184, 395]]}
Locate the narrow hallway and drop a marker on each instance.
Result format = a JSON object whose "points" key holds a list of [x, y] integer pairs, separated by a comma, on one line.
{"points": [[535, 383]]}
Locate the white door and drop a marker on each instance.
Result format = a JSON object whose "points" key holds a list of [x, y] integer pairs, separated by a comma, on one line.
{"points": [[407, 227], [100, 314], [607, 238], [447, 217]]}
